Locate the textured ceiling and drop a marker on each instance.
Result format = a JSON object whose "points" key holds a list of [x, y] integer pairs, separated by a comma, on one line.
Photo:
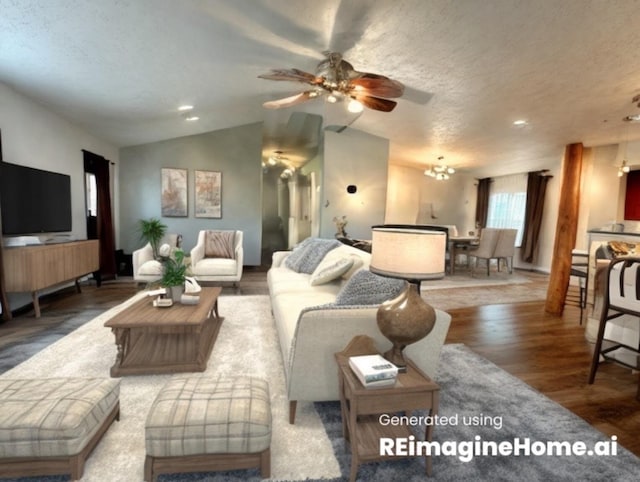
{"points": [[121, 68]]}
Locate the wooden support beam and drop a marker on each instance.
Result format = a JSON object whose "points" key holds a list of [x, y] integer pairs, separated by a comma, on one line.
{"points": [[566, 228]]}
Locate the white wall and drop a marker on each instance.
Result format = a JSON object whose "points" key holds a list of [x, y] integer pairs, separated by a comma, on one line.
{"points": [[354, 157], [413, 198], [34, 136]]}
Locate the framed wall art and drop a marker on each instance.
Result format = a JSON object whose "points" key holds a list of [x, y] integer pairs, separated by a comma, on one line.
{"points": [[208, 196], [174, 192]]}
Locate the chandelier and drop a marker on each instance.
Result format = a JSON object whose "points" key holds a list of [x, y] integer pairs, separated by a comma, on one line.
{"points": [[440, 172]]}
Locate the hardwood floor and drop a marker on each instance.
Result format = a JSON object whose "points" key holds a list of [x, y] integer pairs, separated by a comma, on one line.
{"points": [[547, 352]]}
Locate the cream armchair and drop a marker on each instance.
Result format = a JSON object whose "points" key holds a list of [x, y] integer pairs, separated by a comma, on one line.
{"points": [[146, 269], [218, 257]]}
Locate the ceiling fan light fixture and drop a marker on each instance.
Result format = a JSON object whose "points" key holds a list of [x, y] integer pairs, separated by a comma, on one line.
{"points": [[355, 106]]}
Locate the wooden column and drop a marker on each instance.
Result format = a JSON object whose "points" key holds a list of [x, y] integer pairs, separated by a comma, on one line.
{"points": [[566, 228]]}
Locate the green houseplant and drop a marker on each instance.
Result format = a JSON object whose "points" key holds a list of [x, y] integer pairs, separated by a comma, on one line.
{"points": [[152, 231], [174, 270]]}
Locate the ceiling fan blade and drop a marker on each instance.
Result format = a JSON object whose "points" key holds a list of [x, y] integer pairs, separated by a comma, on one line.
{"points": [[378, 85], [293, 75], [375, 103], [289, 101]]}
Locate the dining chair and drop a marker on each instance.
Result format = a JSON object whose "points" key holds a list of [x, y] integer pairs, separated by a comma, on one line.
{"points": [[486, 247], [506, 248]]}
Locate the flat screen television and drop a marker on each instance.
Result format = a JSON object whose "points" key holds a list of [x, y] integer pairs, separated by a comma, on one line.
{"points": [[34, 200]]}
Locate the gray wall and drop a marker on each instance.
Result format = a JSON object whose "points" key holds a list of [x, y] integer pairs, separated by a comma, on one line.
{"points": [[236, 152]]}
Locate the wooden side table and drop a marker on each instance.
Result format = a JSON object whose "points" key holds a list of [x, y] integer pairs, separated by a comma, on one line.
{"points": [[361, 407]]}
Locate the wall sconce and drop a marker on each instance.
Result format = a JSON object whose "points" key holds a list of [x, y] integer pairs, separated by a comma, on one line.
{"points": [[623, 169], [352, 188]]}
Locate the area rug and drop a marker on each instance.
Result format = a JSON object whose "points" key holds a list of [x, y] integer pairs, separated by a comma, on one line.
{"points": [[452, 298], [480, 279], [313, 448]]}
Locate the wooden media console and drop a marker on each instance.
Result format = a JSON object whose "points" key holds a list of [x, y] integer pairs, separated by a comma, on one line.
{"points": [[34, 268]]}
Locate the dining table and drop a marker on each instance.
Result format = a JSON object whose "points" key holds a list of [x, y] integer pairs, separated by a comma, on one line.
{"points": [[460, 245]]}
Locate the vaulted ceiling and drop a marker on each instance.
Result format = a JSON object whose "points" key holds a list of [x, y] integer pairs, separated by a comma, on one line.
{"points": [[570, 68]]}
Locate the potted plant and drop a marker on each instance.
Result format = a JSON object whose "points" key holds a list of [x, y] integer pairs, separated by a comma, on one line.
{"points": [[174, 270], [152, 231]]}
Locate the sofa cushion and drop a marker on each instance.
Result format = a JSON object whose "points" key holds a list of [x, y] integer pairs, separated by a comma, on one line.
{"points": [[306, 257], [151, 268], [328, 270], [367, 288], [284, 281], [217, 266]]}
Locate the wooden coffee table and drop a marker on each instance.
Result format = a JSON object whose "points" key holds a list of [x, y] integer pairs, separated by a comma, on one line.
{"points": [[154, 340]]}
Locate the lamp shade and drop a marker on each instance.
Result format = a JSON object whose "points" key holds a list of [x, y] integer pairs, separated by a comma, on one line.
{"points": [[408, 253]]}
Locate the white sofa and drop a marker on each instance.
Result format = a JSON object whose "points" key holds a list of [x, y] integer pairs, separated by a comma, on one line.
{"points": [[217, 269], [311, 328]]}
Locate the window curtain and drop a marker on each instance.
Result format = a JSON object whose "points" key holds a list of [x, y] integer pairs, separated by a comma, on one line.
{"points": [[536, 190], [99, 166], [482, 202]]}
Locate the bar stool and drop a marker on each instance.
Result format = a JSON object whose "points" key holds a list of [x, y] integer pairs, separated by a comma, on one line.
{"points": [[580, 270], [619, 331]]}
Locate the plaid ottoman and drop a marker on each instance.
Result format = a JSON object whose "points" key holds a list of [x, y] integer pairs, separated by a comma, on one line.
{"points": [[50, 426], [199, 424]]}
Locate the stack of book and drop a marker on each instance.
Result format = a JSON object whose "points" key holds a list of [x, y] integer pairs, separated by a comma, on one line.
{"points": [[374, 371]]}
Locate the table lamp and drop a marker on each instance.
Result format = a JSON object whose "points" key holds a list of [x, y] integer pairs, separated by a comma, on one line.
{"points": [[413, 254]]}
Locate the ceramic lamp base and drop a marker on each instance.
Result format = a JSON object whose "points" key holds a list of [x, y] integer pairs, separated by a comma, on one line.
{"points": [[403, 321]]}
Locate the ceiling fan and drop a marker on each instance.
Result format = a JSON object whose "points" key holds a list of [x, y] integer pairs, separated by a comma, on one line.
{"points": [[336, 79]]}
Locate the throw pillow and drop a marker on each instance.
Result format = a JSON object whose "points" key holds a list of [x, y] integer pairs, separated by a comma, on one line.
{"points": [[219, 244], [293, 260], [313, 251], [328, 271], [367, 288]]}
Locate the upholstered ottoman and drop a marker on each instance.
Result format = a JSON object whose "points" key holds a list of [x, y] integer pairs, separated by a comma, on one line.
{"points": [[199, 424], [50, 426]]}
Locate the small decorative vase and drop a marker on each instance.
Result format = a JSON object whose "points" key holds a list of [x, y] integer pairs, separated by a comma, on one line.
{"points": [[176, 293]]}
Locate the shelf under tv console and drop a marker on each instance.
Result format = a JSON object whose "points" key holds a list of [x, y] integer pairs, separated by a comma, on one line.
{"points": [[34, 268]]}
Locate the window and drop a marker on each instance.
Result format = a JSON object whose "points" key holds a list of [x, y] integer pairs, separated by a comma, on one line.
{"points": [[507, 203], [91, 194]]}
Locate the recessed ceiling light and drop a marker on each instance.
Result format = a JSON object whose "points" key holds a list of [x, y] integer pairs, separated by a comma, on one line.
{"points": [[184, 108], [520, 122], [632, 118]]}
